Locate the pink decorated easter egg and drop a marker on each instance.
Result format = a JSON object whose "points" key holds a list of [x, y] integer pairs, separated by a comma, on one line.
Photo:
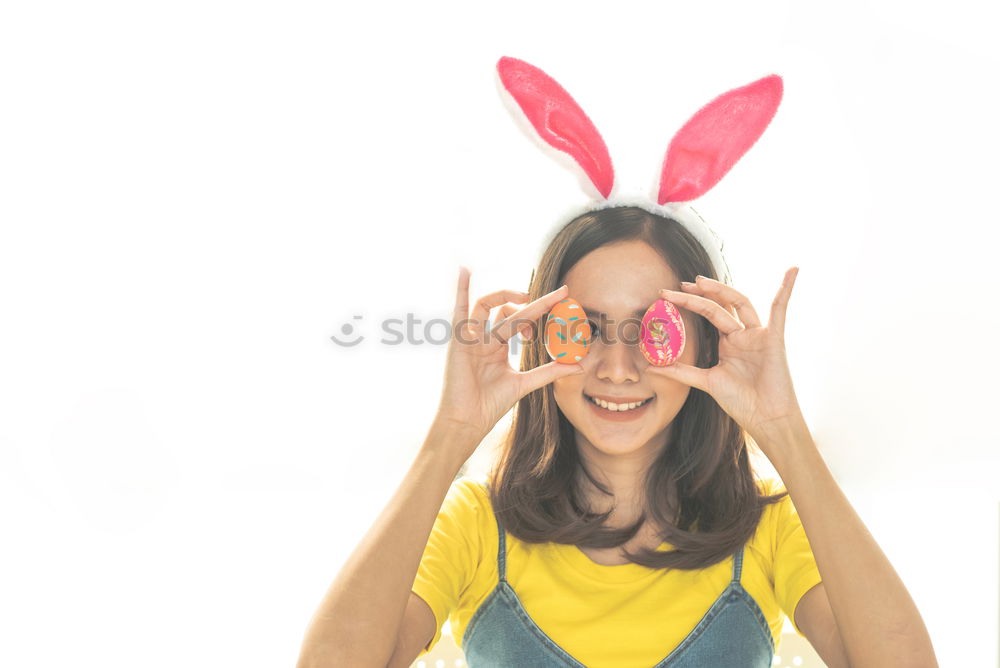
{"points": [[567, 332], [662, 334]]}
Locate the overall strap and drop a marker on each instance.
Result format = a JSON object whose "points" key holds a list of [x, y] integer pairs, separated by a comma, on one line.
{"points": [[738, 564], [501, 552]]}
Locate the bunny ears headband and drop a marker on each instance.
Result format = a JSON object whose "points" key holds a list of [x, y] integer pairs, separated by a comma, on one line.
{"points": [[697, 158]]}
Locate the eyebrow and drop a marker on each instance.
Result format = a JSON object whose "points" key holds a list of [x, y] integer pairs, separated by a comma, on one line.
{"points": [[638, 313]]}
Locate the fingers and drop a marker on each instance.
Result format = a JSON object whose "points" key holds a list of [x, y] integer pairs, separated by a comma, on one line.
{"points": [[780, 305], [718, 316], [685, 373], [541, 376], [530, 313], [475, 322], [462, 296], [744, 309], [522, 327], [512, 321], [481, 311], [726, 295]]}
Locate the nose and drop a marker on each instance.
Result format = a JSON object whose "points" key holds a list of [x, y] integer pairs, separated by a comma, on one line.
{"points": [[618, 360]]}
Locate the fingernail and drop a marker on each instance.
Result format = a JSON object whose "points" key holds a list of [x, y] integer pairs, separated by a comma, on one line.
{"points": [[686, 283]]}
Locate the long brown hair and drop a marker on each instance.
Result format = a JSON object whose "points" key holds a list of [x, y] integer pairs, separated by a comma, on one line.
{"points": [[700, 492]]}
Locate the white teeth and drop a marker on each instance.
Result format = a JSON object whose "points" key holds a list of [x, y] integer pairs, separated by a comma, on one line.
{"points": [[617, 407]]}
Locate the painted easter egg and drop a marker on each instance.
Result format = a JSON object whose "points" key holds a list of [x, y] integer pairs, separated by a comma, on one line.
{"points": [[567, 332], [662, 334]]}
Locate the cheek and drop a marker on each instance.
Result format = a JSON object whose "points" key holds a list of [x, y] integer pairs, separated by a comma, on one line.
{"points": [[564, 389]]}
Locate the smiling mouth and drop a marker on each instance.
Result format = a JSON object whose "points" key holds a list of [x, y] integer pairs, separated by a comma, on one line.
{"points": [[617, 408]]}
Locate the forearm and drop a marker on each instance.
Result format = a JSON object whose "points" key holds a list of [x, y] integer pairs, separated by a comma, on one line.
{"points": [[878, 621], [358, 621]]}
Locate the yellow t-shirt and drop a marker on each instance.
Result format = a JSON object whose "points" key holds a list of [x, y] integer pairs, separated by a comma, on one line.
{"points": [[581, 604]]}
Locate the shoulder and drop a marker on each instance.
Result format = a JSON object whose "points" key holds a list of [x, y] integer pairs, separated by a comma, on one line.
{"points": [[774, 514], [770, 485], [469, 513], [468, 504], [469, 492]]}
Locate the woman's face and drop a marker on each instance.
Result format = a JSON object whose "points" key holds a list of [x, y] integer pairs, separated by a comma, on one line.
{"points": [[622, 280]]}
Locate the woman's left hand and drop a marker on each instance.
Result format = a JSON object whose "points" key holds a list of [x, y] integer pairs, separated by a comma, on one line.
{"points": [[751, 382]]}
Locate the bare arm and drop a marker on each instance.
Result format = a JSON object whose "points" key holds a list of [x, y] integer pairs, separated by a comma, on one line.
{"points": [[358, 621], [878, 621]]}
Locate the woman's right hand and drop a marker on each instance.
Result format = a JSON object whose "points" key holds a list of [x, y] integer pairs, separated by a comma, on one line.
{"points": [[480, 385]]}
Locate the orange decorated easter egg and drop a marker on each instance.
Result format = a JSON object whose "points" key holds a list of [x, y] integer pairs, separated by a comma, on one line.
{"points": [[567, 332]]}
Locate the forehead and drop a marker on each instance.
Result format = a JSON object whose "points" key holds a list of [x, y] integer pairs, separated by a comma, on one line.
{"points": [[620, 278]]}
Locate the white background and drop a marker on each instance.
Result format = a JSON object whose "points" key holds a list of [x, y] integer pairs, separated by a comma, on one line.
{"points": [[194, 196]]}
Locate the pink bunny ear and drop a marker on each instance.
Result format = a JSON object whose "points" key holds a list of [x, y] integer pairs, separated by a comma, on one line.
{"points": [[558, 119], [718, 135]]}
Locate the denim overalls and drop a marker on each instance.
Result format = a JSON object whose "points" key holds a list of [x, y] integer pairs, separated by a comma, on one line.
{"points": [[733, 633]]}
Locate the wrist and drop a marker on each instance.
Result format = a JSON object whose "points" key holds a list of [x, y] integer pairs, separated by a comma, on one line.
{"points": [[777, 429], [782, 435], [453, 427], [452, 441]]}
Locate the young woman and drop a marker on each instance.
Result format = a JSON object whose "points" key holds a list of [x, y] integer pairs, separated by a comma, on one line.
{"points": [[622, 523]]}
